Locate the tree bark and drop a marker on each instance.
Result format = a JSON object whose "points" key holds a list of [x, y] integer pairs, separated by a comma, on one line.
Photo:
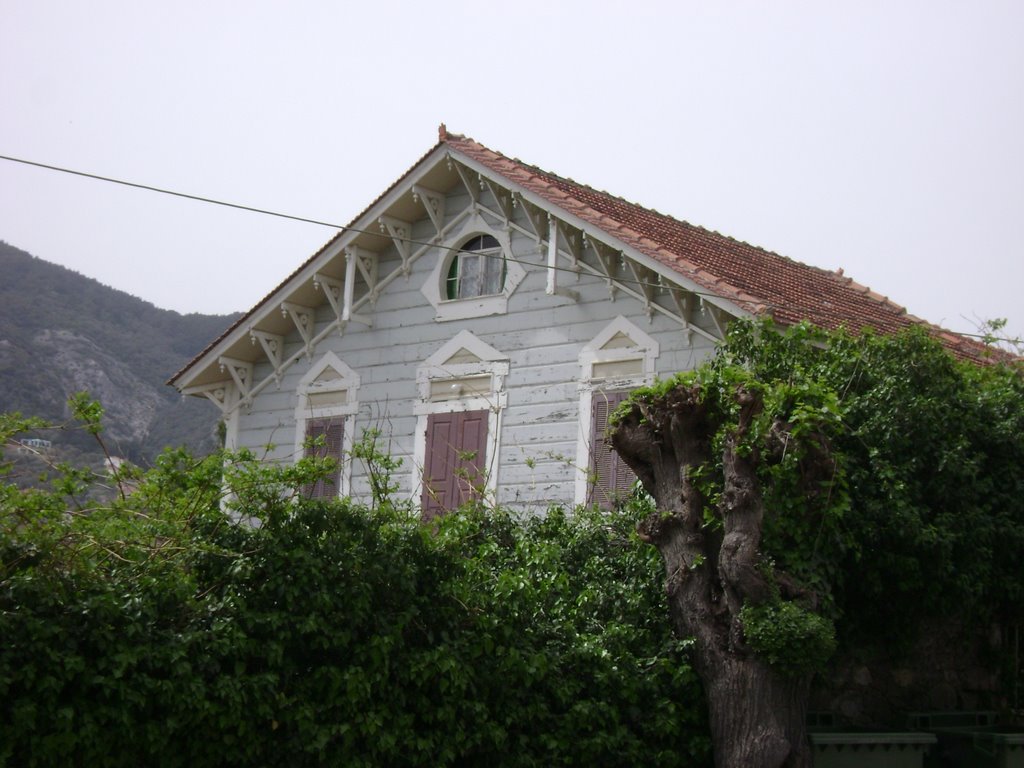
{"points": [[757, 714], [758, 717]]}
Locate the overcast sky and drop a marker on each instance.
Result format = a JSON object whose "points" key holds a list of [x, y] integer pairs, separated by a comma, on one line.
{"points": [[886, 138]]}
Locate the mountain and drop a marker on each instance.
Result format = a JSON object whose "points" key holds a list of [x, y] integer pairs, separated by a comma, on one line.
{"points": [[62, 332]]}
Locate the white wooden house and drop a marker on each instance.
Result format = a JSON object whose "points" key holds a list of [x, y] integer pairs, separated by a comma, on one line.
{"points": [[485, 315]]}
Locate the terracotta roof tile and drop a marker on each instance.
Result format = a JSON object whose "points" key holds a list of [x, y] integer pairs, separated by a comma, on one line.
{"points": [[758, 280]]}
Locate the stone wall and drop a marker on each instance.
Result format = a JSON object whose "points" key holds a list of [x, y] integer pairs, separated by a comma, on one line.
{"points": [[950, 668]]}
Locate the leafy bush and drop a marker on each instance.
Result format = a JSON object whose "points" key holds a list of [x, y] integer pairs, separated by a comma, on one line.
{"points": [[790, 638], [160, 630], [928, 519]]}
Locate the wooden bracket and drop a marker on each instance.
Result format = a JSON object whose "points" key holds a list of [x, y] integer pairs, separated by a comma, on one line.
{"points": [[241, 373], [471, 189], [333, 291], [501, 196], [433, 203], [644, 284], [365, 262], [553, 288], [534, 217], [400, 233], [273, 347], [609, 265], [223, 394], [717, 317], [303, 318]]}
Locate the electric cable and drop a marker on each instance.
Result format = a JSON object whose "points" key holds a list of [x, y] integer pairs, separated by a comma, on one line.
{"points": [[346, 228], [340, 227]]}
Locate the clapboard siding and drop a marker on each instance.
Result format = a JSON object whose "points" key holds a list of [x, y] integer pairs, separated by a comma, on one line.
{"points": [[541, 335]]}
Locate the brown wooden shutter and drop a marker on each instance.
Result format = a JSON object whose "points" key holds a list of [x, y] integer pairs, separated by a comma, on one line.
{"points": [[333, 430], [469, 461], [453, 467], [610, 478]]}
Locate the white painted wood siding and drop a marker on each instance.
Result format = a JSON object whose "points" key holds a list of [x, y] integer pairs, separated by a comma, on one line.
{"points": [[542, 335]]}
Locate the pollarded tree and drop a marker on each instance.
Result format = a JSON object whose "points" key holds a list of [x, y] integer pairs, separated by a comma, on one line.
{"points": [[791, 458], [704, 447]]}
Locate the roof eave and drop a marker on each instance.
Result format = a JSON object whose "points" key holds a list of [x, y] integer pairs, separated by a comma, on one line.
{"points": [[210, 356]]}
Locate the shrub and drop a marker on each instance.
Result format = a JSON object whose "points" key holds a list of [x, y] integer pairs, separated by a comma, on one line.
{"points": [[161, 631]]}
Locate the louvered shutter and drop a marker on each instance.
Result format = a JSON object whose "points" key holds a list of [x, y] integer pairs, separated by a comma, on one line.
{"points": [[610, 478], [437, 464], [469, 459], [453, 467], [332, 430]]}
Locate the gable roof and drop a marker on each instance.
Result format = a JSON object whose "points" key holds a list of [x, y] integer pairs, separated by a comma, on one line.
{"points": [[758, 280], [751, 279]]}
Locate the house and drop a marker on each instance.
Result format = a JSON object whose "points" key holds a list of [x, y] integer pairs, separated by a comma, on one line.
{"points": [[34, 445], [486, 316]]}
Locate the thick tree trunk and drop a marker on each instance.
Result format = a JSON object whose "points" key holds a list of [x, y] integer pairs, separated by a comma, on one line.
{"points": [[758, 719], [757, 714]]}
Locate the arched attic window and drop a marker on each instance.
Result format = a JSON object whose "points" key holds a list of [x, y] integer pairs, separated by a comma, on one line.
{"points": [[475, 273], [477, 269]]}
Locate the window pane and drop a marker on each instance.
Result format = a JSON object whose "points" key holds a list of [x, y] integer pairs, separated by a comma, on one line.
{"points": [[477, 270], [452, 283], [494, 265], [469, 275]]}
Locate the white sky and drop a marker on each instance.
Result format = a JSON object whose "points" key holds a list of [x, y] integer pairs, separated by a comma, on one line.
{"points": [[886, 138]]}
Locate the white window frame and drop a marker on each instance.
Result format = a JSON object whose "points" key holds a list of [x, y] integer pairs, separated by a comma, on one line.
{"points": [[492, 364], [435, 287], [490, 265], [644, 349], [348, 382]]}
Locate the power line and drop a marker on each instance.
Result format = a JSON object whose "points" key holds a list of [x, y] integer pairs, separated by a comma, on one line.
{"points": [[344, 228], [266, 212], [162, 191]]}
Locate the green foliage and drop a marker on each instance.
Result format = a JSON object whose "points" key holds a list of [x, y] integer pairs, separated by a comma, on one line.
{"points": [[802, 481], [932, 450], [789, 637], [993, 333], [891, 479], [380, 466], [923, 513], [573, 611], [216, 616], [88, 411], [12, 425]]}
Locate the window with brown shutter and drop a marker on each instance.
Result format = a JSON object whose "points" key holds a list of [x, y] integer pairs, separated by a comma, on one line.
{"points": [[454, 462], [332, 430], [610, 479]]}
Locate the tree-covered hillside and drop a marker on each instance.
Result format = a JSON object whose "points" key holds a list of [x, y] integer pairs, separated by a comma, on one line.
{"points": [[62, 332]]}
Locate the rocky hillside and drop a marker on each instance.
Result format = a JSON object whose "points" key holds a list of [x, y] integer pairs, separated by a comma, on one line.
{"points": [[61, 332]]}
